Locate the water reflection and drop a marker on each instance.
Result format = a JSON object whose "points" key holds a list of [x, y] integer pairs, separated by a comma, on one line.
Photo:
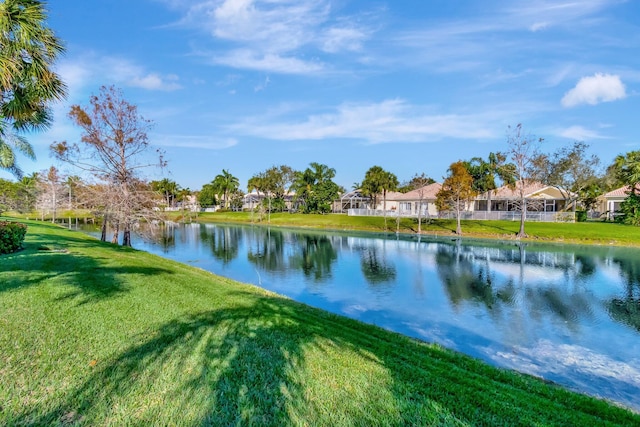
{"points": [[376, 267], [314, 255], [523, 306], [223, 241], [626, 309]]}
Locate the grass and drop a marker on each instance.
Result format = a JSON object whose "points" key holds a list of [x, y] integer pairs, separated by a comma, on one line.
{"points": [[94, 334], [598, 233]]}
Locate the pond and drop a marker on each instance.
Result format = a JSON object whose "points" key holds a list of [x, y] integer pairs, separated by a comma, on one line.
{"points": [[569, 314]]}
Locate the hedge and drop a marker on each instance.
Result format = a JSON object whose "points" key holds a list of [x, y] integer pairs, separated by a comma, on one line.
{"points": [[11, 236]]}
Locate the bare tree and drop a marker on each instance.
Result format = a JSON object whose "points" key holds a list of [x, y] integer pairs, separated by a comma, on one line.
{"points": [[114, 148], [523, 149], [418, 183], [51, 192]]}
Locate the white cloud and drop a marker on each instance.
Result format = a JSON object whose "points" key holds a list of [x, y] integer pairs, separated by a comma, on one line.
{"points": [[91, 69], [154, 81], [275, 35], [270, 62], [193, 141], [384, 122], [339, 39], [595, 89], [580, 133]]}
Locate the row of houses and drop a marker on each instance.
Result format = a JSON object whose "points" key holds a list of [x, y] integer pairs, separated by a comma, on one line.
{"points": [[544, 203]]}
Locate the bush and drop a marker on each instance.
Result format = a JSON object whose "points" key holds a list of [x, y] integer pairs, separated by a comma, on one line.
{"points": [[581, 216], [11, 236]]}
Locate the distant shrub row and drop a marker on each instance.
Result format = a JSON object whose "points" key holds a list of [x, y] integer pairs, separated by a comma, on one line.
{"points": [[11, 236]]}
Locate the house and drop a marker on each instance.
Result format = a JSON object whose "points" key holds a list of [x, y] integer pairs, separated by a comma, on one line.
{"points": [[609, 203], [404, 204], [540, 198], [251, 201], [352, 200]]}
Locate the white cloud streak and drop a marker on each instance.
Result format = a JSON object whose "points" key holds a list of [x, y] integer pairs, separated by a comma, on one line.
{"points": [[579, 133], [194, 141], [275, 36], [389, 121], [595, 89]]}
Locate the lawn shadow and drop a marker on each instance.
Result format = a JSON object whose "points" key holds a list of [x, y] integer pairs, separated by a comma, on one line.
{"points": [[247, 365], [93, 278]]}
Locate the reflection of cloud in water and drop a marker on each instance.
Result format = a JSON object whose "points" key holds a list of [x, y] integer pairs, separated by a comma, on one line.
{"points": [[578, 366], [540, 273]]}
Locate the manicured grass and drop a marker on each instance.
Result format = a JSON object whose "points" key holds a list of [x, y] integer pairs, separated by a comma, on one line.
{"points": [[599, 233], [94, 334]]}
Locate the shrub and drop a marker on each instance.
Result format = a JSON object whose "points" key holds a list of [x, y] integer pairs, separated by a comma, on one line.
{"points": [[630, 210], [11, 236], [581, 216]]}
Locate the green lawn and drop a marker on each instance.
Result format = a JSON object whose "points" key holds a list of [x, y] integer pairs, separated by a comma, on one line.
{"points": [[93, 334], [599, 233]]}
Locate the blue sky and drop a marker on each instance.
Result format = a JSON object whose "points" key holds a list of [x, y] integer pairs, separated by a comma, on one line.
{"points": [[409, 85]]}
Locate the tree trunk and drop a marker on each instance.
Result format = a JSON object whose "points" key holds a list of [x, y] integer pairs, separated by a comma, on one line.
{"points": [[384, 208], [523, 217], [126, 236], [103, 234], [116, 232], [458, 226], [420, 216]]}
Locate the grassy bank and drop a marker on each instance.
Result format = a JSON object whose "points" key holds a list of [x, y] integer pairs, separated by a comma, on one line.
{"points": [[94, 334], [599, 233]]}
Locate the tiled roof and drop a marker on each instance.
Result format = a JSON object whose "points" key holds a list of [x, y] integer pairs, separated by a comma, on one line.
{"points": [[621, 192], [428, 192], [505, 192]]}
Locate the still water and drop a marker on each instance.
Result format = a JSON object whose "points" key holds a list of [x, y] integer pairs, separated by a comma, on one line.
{"points": [[569, 314]]}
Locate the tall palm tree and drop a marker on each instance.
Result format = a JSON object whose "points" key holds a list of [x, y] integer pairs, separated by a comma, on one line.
{"points": [[485, 173], [27, 84], [226, 184], [627, 169]]}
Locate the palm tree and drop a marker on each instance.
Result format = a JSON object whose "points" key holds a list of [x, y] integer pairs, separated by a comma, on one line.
{"points": [[378, 181], [484, 173], [226, 184], [627, 170], [27, 84]]}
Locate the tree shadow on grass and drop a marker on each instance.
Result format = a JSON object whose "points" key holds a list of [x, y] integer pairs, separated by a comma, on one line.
{"points": [[91, 278], [250, 365]]}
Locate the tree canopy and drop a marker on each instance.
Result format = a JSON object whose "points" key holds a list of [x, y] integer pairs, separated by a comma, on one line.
{"points": [[28, 84]]}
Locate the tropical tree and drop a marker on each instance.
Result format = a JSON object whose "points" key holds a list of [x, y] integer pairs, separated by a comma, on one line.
{"points": [[168, 189], [523, 149], [207, 195], [456, 192], [627, 170], [378, 181], [28, 50], [569, 169], [225, 184], [315, 189], [114, 150], [486, 173]]}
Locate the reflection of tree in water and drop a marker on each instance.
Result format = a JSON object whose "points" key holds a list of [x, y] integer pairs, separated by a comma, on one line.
{"points": [[466, 273], [314, 256], [569, 307], [375, 267], [266, 249], [626, 310], [463, 278], [223, 241]]}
